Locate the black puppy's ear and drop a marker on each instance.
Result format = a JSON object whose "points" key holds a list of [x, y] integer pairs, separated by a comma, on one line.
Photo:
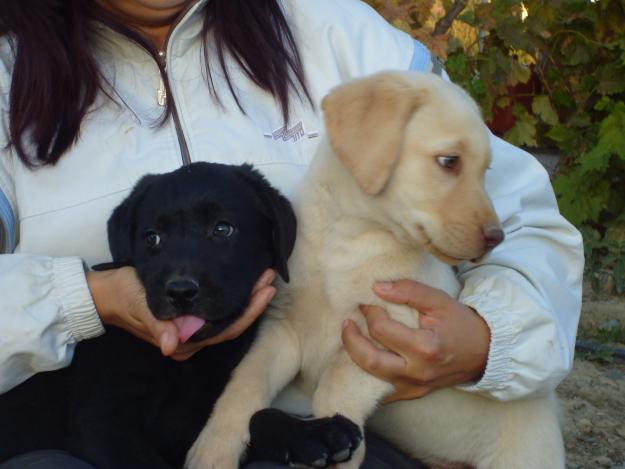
{"points": [[281, 214], [109, 266], [122, 224]]}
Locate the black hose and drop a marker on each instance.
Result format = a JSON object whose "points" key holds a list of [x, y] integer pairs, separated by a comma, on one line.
{"points": [[588, 346]]}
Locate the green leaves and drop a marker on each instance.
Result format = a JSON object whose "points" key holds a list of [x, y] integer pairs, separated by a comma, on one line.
{"points": [[541, 106], [611, 141], [592, 187], [519, 73], [524, 131], [611, 79], [581, 198]]}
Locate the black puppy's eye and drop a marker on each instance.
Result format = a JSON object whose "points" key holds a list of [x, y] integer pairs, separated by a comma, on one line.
{"points": [[223, 229], [448, 161], [152, 239]]}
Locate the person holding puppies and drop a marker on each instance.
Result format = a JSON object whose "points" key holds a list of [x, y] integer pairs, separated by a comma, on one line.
{"points": [[96, 93]]}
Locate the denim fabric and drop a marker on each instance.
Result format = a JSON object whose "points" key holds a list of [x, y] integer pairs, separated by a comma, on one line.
{"points": [[421, 58], [46, 459], [7, 226]]}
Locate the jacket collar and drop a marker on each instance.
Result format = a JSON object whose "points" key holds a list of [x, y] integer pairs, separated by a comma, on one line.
{"points": [[186, 27], [181, 26]]}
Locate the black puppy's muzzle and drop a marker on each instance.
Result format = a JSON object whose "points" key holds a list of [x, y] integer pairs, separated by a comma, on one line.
{"points": [[181, 293]]}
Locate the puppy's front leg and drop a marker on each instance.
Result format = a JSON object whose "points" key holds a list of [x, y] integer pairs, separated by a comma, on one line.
{"points": [[271, 363], [348, 390]]}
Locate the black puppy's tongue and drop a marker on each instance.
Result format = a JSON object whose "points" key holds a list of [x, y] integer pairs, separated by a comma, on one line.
{"points": [[187, 326]]}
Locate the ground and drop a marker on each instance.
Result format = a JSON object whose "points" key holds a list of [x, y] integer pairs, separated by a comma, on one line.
{"points": [[593, 396]]}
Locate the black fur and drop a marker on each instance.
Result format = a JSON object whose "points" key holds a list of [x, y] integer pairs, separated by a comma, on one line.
{"points": [[279, 437], [121, 404]]}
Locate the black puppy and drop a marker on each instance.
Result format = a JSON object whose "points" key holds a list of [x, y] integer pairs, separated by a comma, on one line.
{"points": [[199, 238]]}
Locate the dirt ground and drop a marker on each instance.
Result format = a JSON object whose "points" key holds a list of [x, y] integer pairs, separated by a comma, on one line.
{"points": [[593, 396]]}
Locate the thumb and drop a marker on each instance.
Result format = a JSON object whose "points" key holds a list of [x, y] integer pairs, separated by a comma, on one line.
{"points": [[165, 334], [414, 294]]}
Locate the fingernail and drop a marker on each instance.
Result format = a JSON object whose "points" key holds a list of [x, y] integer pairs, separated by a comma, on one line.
{"points": [[271, 275], [271, 294], [165, 338], [345, 323], [384, 286]]}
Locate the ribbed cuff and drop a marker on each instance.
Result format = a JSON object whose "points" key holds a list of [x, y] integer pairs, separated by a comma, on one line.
{"points": [[78, 308], [502, 336]]}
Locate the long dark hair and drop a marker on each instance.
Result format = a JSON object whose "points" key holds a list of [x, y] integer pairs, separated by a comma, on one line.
{"points": [[56, 78]]}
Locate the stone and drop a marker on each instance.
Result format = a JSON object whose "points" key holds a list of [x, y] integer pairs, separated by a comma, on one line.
{"points": [[604, 461], [610, 325], [615, 375]]}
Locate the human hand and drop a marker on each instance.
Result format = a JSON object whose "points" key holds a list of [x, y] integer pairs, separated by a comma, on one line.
{"points": [[120, 301], [449, 348]]}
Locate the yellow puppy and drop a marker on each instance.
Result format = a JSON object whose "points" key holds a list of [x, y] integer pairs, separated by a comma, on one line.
{"points": [[397, 188]]}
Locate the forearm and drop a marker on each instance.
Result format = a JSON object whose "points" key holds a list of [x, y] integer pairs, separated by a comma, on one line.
{"points": [[105, 290], [46, 309]]}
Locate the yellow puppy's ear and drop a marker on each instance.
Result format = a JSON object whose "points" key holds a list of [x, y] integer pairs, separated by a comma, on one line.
{"points": [[366, 121]]}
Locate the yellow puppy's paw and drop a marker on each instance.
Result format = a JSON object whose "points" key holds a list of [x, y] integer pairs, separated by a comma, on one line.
{"points": [[211, 451]]}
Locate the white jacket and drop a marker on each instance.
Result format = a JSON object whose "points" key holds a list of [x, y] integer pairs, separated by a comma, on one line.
{"points": [[54, 218]]}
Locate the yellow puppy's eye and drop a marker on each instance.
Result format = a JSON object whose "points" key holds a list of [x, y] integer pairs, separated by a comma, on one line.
{"points": [[448, 162]]}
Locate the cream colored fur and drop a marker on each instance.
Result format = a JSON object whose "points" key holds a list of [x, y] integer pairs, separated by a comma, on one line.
{"points": [[377, 205]]}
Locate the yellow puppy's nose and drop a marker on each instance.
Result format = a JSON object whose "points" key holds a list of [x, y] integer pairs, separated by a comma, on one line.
{"points": [[493, 235]]}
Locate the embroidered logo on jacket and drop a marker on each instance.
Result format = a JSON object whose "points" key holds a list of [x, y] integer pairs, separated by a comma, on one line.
{"points": [[294, 133]]}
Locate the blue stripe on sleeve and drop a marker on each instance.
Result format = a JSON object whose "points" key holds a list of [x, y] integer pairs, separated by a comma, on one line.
{"points": [[421, 58], [7, 237]]}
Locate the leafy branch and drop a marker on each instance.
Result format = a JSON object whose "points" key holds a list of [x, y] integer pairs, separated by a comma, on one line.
{"points": [[443, 25]]}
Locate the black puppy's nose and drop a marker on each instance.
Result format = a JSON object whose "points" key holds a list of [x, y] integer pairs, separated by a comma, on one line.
{"points": [[493, 235], [183, 291]]}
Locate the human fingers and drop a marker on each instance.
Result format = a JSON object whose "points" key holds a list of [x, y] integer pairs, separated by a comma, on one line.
{"points": [[381, 363], [420, 348], [258, 304], [390, 333], [414, 294], [138, 316], [180, 356], [164, 333], [266, 279], [141, 323], [429, 361]]}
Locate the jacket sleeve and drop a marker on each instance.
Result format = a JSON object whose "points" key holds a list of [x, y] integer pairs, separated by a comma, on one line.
{"points": [[528, 289], [45, 303]]}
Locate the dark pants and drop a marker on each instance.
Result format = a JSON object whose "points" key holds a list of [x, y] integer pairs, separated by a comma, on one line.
{"points": [[380, 455], [45, 459]]}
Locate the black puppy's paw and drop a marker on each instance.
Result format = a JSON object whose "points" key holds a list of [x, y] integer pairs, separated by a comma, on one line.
{"points": [[279, 437]]}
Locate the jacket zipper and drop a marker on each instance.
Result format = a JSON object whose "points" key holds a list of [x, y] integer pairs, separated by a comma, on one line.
{"points": [[161, 94], [161, 98]]}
